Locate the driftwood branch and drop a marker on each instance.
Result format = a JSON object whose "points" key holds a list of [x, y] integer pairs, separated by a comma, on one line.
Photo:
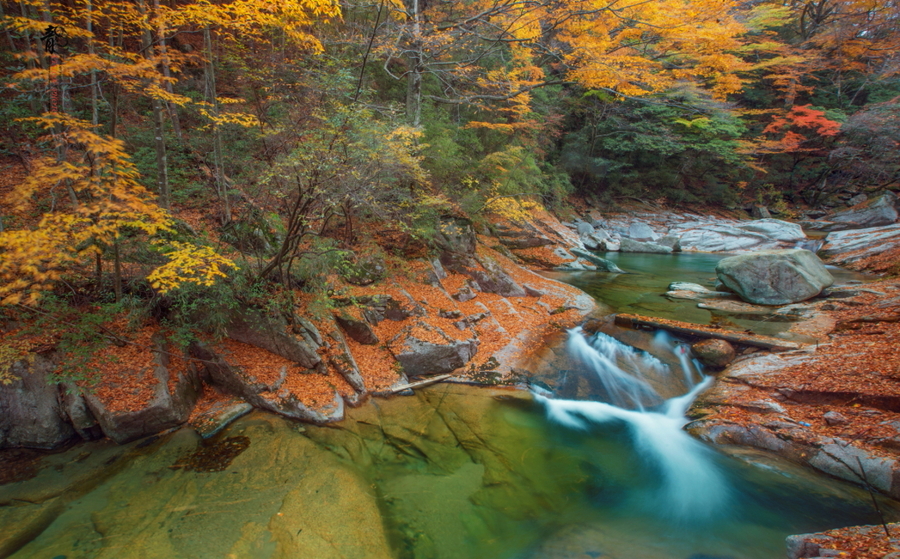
{"points": [[423, 383], [765, 342]]}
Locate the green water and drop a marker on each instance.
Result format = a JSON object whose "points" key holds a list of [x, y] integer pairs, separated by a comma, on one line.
{"points": [[454, 472], [643, 290]]}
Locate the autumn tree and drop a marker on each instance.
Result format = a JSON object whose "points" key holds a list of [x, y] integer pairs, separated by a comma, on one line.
{"points": [[111, 204]]}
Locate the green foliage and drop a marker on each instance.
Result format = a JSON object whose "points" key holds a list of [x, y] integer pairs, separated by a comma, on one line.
{"points": [[682, 146]]}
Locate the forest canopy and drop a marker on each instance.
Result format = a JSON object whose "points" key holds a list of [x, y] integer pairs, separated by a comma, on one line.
{"points": [[295, 125]]}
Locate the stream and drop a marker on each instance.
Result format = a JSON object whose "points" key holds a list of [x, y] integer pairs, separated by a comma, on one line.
{"points": [[590, 462]]}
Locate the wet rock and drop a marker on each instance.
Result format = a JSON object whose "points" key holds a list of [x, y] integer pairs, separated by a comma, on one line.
{"points": [[602, 264], [873, 213], [170, 406], [774, 277], [423, 349], [211, 421], [714, 353], [579, 265], [629, 245], [31, 413]]}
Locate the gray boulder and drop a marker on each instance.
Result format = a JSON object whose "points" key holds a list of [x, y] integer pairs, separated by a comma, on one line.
{"points": [[31, 412], [872, 213], [583, 228], [640, 231], [775, 277], [760, 212], [456, 236], [423, 349], [671, 241], [629, 245]]}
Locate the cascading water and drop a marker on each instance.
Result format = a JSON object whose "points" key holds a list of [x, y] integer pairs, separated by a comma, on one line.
{"points": [[691, 485]]}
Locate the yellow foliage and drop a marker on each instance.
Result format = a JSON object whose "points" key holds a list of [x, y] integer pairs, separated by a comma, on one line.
{"points": [[109, 200], [189, 264]]}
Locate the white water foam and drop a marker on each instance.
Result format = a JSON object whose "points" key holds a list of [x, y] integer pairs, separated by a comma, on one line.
{"points": [[692, 487]]}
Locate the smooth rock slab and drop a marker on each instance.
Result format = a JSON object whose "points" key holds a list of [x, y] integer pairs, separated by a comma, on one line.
{"points": [[775, 277]]}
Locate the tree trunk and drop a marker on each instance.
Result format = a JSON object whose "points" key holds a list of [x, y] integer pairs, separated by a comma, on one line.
{"points": [[414, 72], [221, 187], [95, 87], [167, 72], [162, 170], [9, 39], [117, 271]]}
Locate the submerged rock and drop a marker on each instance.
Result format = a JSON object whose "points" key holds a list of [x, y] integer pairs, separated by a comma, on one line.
{"points": [[774, 277]]}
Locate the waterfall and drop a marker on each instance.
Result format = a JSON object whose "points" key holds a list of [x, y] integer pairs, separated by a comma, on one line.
{"points": [[691, 486]]}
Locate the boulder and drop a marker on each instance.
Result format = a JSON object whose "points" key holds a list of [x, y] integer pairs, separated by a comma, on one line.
{"points": [[714, 353], [871, 213], [355, 326], [270, 333], [629, 245], [272, 396], [775, 229], [775, 277], [31, 412], [456, 236], [640, 231], [722, 238], [583, 228], [170, 406], [603, 265], [760, 212], [363, 270], [423, 349], [671, 241]]}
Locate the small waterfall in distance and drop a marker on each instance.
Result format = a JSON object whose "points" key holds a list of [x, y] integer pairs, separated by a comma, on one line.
{"points": [[691, 486]]}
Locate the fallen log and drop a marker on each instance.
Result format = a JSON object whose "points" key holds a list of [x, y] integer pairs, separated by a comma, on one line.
{"points": [[766, 342], [422, 383]]}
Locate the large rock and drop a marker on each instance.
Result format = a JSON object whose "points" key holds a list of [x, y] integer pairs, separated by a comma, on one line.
{"points": [[629, 245], [602, 264], [423, 349], [774, 277], [270, 333], [172, 402], [275, 395], [714, 353], [871, 213], [30, 411], [731, 236], [640, 231]]}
